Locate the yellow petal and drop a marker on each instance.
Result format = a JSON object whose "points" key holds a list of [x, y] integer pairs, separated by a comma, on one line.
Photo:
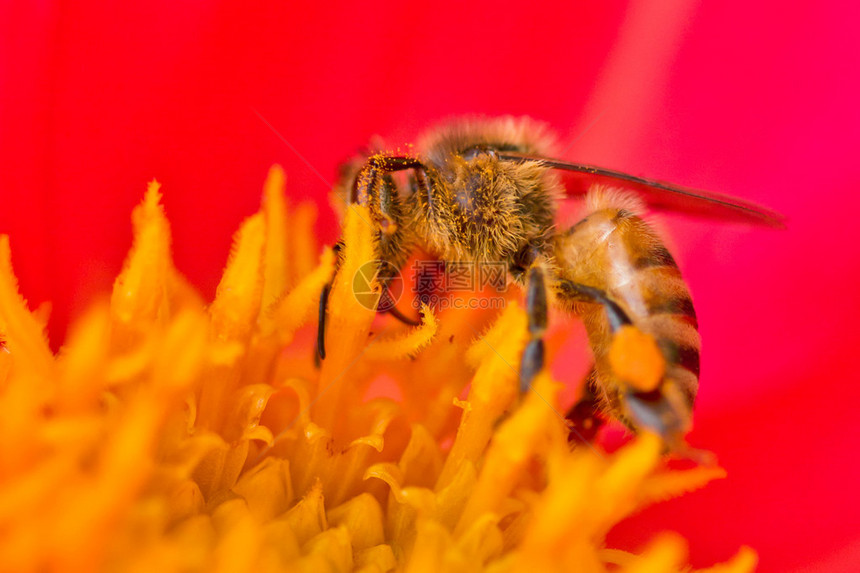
{"points": [[666, 485], [186, 500], [432, 550], [521, 436], [22, 334], [376, 559], [407, 344], [482, 542], [347, 329], [452, 498], [220, 467], [743, 562], [361, 516], [333, 546], [247, 405], [267, 489], [302, 242], [493, 388], [421, 462], [276, 262], [280, 546], [666, 553], [238, 297], [307, 518], [630, 467], [239, 539], [182, 354], [139, 291], [292, 311], [82, 364]]}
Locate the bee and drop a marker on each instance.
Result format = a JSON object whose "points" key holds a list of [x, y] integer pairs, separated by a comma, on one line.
{"points": [[488, 190]]}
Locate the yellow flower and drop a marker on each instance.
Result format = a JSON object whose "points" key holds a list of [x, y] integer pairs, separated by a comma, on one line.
{"points": [[168, 435]]}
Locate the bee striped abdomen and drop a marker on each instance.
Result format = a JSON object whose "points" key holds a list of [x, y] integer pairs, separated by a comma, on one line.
{"points": [[616, 251], [667, 310], [656, 255], [663, 289]]}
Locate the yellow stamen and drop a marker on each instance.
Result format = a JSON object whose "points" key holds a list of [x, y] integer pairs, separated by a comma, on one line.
{"points": [[408, 344]]}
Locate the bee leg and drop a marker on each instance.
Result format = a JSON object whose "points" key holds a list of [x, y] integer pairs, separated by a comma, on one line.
{"points": [[585, 423], [579, 292], [645, 401], [536, 308], [368, 189], [583, 418], [374, 187], [395, 312], [320, 353]]}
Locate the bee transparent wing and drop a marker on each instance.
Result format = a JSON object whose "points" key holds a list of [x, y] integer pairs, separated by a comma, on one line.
{"points": [[660, 194]]}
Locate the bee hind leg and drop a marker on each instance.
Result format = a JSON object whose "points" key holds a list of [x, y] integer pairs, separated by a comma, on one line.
{"points": [[634, 369], [386, 305], [536, 307], [572, 291], [319, 355]]}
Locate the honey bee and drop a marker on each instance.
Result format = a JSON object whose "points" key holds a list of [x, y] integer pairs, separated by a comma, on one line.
{"points": [[488, 190]]}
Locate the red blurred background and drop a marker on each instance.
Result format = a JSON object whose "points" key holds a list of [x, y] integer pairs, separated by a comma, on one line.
{"points": [[759, 101]]}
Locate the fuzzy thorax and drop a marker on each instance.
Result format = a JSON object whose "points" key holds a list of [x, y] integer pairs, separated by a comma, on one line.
{"points": [[484, 209]]}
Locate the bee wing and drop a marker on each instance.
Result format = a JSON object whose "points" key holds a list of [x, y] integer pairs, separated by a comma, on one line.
{"points": [[660, 194]]}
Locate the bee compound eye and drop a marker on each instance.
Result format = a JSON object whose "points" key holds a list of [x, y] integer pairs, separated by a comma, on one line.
{"points": [[475, 151], [471, 153]]}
